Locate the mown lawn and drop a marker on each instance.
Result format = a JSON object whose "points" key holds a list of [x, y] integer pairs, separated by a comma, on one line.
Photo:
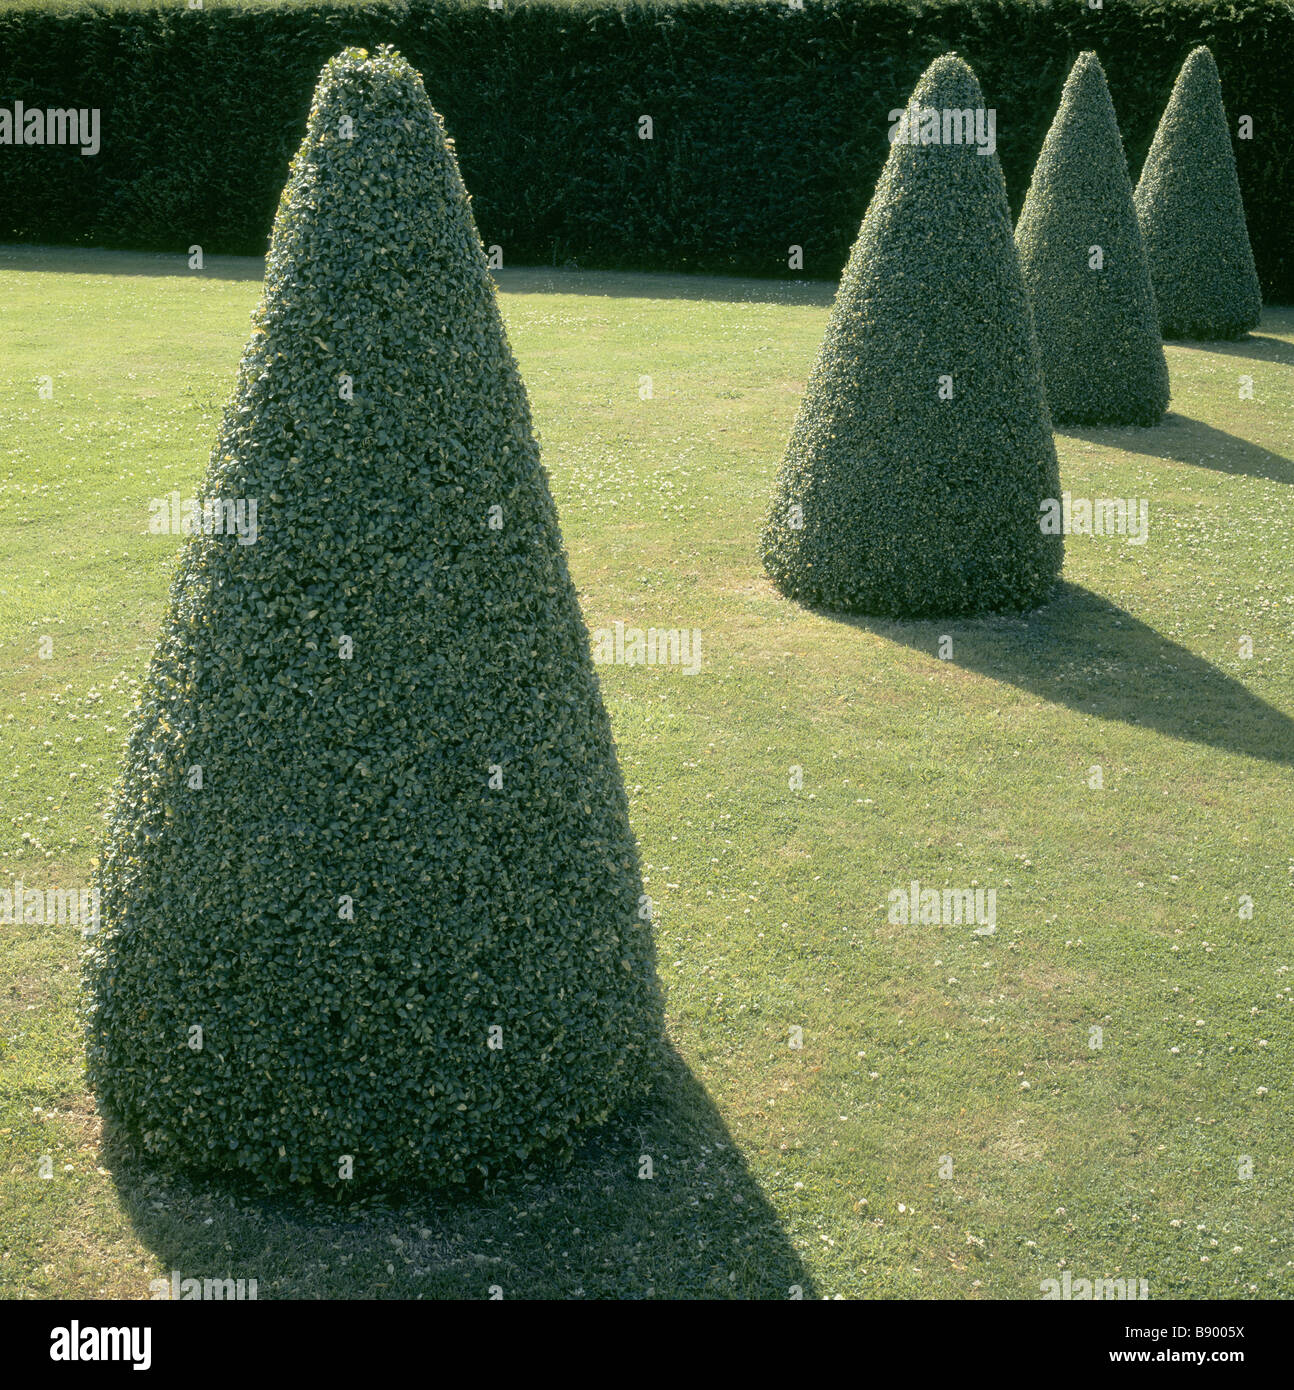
{"points": [[947, 1128]]}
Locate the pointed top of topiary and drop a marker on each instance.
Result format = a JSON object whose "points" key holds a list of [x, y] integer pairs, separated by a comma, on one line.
{"points": [[922, 451], [949, 76], [1198, 66], [1083, 139], [374, 191], [401, 901], [1086, 81], [947, 85], [1085, 267], [1192, 215]]}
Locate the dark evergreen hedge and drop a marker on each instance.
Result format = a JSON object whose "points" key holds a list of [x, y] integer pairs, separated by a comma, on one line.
{"points": [[1192, 215], [400, 844], [1085, 268], [768, 120], [922, 452]]}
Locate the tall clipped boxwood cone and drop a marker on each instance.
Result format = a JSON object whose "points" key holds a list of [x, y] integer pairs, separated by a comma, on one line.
{"points": [[1192, 216], [915, 471], [371, 906], [1085, 267]]}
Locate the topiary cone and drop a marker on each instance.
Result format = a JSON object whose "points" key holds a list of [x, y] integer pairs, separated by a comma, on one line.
{"points": [[915, 470], [1192, 217], [1085, 268], [393, 927]]}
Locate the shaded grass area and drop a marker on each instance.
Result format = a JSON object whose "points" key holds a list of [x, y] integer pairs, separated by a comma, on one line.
{"points": [[946, 1126], [1083, 651], [698, 1227]]}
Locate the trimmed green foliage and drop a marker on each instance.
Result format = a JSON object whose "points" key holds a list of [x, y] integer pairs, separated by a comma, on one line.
{"points": [[1085, 268], [1192, 215], [453, 782], [922, 450], [758, 141]]}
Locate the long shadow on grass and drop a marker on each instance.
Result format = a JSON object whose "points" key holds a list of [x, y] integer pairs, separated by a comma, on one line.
{"points": [[95, 260], [699, 1227], [1260, 347], [1183, 440], [665, 285], [1087, 653], [628, 284]]}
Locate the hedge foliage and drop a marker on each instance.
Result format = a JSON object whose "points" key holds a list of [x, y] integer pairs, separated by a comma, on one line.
{"points": [[769, 122], [1193, 217], [410, 827], [922, 451], [1085, 268]]}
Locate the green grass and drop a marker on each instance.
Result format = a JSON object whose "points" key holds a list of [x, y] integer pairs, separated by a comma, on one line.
{"points": [[774, 1166]]}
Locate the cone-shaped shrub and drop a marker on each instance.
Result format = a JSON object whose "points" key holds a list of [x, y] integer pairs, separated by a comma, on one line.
{"points": [[400, 900], [922, 450], [1192, 216], [1085, 268]]}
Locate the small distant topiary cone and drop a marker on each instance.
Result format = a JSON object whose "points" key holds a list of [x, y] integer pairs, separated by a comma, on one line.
{"points": [[915, 471], [1085, 268], [371, 906], [1192, 216]]}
